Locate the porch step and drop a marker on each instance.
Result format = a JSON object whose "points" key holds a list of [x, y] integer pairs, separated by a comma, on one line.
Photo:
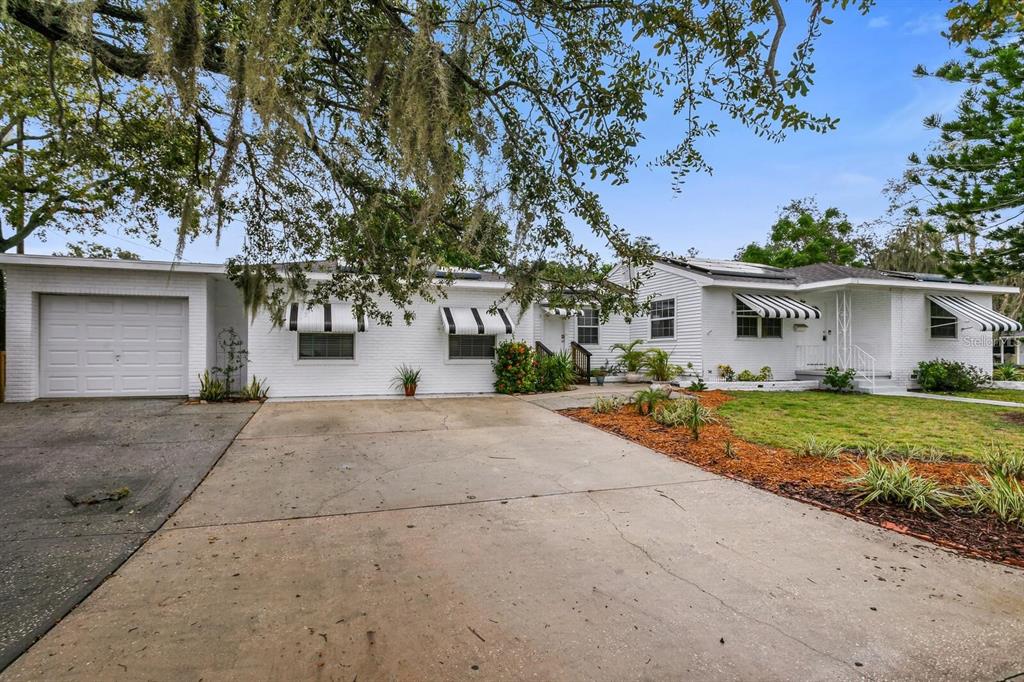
{"points": [[882, 386]]}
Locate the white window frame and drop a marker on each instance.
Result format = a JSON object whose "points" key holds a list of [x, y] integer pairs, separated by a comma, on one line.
{"points": [[448, 359], [749, 313], [653, 319], [327, 361], [946, 315], [596, 327]]}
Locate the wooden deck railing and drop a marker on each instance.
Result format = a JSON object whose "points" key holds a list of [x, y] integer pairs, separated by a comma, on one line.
{"points": [[3, 375], [581, 360], [543, 350]]}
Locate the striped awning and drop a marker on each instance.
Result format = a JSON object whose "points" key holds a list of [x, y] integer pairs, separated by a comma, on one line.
{"points": [[779, 307], [334, 317], [475, 321], [966, 310], [562, 312]]}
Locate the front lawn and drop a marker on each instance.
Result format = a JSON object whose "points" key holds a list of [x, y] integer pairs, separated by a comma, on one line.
{"points": [[1008, 395], [854, 419]]}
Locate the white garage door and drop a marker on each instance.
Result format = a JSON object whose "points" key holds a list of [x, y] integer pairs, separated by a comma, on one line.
{"points": [[112, 345]]}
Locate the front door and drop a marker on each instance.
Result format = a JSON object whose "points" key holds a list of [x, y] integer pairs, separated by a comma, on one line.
{"points": [[554, 333]]}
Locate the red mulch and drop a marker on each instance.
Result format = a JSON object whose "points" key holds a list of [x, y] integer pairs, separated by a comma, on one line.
{"points": [[818, 481]]}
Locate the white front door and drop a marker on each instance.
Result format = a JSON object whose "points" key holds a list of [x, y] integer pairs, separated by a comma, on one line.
{"points": [[112, 346], [554, 333]]}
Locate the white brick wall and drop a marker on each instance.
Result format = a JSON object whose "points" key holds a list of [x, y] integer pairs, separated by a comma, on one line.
{"points": [[912, 342], [25, 283], [273, 355]]}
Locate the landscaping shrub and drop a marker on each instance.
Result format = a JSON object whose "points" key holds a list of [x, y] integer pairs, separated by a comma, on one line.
{"points": [[1007, 372], [631, 358], [825, 449], [999, 494], [697, 385], [256, 389], [555, 372], [1003, 463], [727, 373], [838, 379], [764, 374], [605, 405], [659, 367], [211, 388], [746, 375], [515, 368], [688, 413], [949, 375], [648, 399], [898, 484]]}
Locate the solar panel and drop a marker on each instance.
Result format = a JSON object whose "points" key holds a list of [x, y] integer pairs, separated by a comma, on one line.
{"points": [[737, 268]]}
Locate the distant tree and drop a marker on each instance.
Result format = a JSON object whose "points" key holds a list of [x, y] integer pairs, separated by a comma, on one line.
{"points": [[804, 235], [95, 250]]}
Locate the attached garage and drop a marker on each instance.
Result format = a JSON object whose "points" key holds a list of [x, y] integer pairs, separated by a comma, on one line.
{"points": [[112, 346]]}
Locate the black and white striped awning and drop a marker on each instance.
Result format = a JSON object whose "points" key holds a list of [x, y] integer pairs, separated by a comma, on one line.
{"points": [[562, 312], [966, 310], [475, 321], [779, 307], [332, 318]]}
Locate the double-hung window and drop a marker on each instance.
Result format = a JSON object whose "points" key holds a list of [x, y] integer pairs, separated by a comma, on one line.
{"points": [[587, 328], [663, 319], [327, 346], [471, 347], [750, 325], [943, 323]]}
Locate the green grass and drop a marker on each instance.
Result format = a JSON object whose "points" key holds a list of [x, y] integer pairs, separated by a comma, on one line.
{"points": [[857, 420], [1005, 394]]}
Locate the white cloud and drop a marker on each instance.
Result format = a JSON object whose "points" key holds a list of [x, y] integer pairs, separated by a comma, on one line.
{"points": [[926, 23], [879, 22]]}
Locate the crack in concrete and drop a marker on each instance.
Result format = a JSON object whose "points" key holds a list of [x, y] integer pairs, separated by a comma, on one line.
{"points": [[729, 607], [460, 503]]}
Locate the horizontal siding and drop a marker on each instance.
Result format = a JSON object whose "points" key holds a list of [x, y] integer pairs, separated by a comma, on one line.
{"points": [[273, 355], [723, 347]]}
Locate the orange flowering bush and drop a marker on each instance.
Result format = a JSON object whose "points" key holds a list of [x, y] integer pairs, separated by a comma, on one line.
{"points": [[515, 368]]}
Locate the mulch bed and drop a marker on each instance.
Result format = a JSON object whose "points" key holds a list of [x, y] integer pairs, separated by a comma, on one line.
{"points": [[819, 481]]}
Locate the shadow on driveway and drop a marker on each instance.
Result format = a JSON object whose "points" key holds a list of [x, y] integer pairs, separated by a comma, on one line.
{"points": [[52, 553]]}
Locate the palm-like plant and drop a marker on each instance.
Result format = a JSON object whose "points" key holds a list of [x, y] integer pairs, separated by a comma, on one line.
{"points": [[630, 357], [696, 416], [648, 399], [659, 367]]}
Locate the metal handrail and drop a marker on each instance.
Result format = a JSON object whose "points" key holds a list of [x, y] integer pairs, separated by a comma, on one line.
{"points": [[864, 364]]}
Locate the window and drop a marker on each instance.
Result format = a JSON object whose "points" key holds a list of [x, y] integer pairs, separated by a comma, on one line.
{"points": [[943, 322], [471, 347], [587, 327], [327, 346], [750, 325], [663, 319], [747, 321]]}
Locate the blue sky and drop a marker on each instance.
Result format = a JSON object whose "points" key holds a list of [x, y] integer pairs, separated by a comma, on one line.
{"points": [[864, 76]]}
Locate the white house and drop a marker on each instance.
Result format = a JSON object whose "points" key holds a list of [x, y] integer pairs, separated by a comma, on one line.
{"points": [[93, 327], [799, 321]]}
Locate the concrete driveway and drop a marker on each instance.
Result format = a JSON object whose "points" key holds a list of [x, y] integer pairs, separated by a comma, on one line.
{"points": [[53, 554], [490, 538]]}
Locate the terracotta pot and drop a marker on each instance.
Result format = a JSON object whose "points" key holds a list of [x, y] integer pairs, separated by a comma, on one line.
{"points": [[410, 390]]}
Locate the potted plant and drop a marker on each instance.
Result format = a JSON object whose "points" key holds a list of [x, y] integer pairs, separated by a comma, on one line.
{"points": [[408, 378], [600, 373], [632, 359]]}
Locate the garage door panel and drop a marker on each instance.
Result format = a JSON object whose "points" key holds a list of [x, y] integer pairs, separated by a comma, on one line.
{"points": [[107, 345], [99, 306], [136, 332], [95, 359], [168, 333]]}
